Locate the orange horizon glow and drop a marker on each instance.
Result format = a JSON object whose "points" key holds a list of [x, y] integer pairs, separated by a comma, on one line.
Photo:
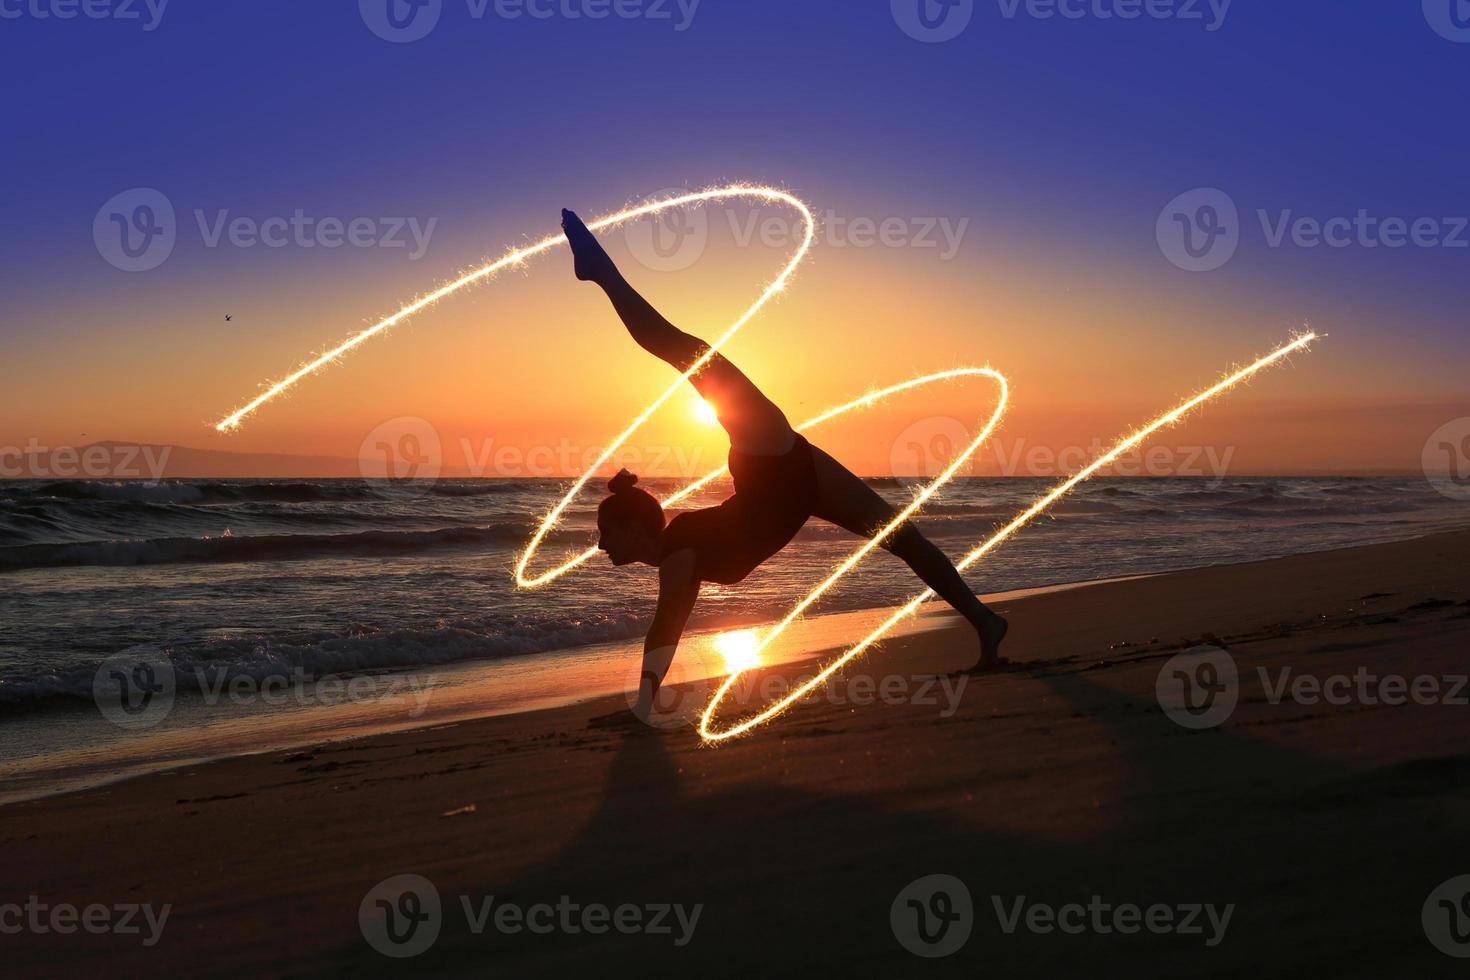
{"points": [[539, 363]]}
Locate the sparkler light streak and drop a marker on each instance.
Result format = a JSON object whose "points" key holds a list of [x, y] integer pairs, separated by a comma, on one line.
{"points": [[553, 517]]}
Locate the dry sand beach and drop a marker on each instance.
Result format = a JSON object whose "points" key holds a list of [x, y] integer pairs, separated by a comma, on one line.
{"points": [[1322, 828]]}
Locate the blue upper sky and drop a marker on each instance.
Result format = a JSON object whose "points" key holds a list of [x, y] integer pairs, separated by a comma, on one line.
{"points": [[1067, 132]]}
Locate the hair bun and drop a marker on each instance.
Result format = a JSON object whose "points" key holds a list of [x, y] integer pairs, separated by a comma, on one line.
{"points": [[623, 481]]}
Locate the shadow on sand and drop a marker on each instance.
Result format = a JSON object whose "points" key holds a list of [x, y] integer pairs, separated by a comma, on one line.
{"points": [[1327, 867]]}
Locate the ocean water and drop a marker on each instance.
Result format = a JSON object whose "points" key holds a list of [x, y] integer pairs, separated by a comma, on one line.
{"points": [[236, 578]]}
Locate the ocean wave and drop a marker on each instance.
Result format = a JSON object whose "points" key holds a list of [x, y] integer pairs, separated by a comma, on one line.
{"points": [[206, 665], [194, 492], [265, 547], [1307, 508], [486, 489], [119, 492]]}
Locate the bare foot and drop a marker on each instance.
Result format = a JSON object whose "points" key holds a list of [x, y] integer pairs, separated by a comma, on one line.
{"points": [[991, 633], [621, 720], [589, 261]]}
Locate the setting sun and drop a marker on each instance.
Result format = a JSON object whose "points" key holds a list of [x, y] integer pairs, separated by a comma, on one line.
{"points": [[738, 649], [705, 412]]}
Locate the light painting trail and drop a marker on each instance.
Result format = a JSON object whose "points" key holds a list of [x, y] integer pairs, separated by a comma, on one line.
{"points": [[707, 724]]}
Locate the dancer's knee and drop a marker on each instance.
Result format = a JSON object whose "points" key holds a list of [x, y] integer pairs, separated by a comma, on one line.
{"points": [[906, 542]]}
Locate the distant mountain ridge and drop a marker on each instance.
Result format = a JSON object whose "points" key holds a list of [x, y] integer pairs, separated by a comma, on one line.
{"points": [[114, 460]]}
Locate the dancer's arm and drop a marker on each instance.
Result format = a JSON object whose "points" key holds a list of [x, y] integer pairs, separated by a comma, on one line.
{"points": [[677, 591]]}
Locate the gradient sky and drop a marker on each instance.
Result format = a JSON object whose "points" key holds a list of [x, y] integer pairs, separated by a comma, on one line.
{"points": [[1056, 143]]}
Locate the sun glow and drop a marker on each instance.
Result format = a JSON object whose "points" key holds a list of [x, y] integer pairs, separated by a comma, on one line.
{"points": [[742, 648], [738, 647], [705, 412]]}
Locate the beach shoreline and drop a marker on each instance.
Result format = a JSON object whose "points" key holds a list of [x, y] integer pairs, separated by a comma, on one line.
{"points": [[453, 693], [1057, 781]]}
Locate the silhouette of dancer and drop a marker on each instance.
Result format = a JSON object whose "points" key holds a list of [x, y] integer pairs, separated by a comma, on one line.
{"points": [[780, 480]]}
